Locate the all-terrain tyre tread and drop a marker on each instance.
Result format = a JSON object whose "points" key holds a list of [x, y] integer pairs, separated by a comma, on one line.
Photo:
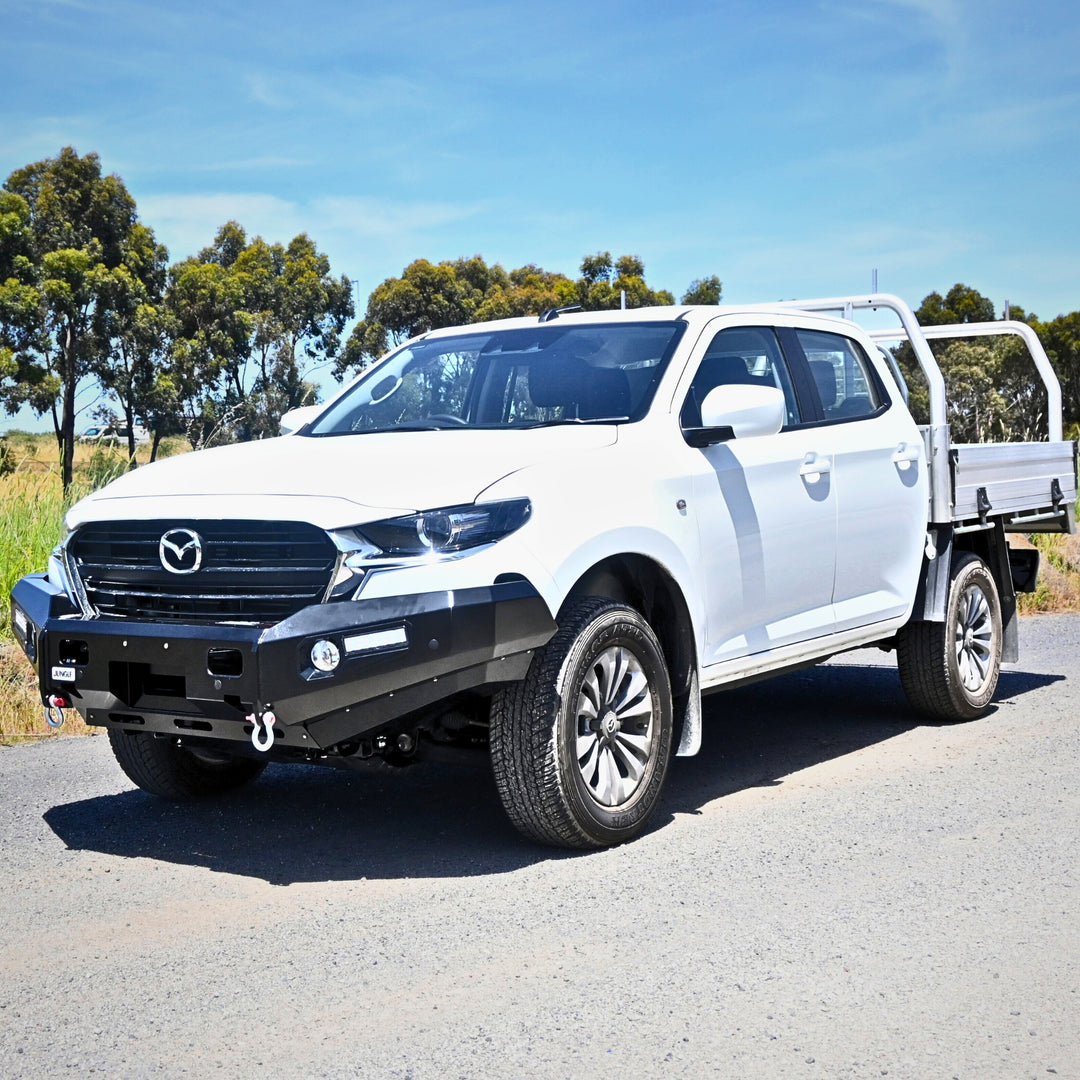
{"points": [[930, 682], [920, 656], [162, 768], [525, 754]]}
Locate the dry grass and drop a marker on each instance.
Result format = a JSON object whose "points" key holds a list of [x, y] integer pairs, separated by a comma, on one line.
{"points": [[22, 717], [1059, 575], [39, 453]]}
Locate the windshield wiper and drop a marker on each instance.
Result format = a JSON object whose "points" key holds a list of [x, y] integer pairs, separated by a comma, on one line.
{"points": [[572, 420], [416, 425]]}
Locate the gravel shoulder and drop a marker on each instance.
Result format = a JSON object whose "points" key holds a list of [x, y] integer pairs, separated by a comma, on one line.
{"points": [[831, 889]]}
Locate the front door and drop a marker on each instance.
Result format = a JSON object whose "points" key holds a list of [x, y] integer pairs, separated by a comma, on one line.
{"points": [[766, 511]]}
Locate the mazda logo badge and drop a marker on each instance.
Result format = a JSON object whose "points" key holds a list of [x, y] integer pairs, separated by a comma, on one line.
{"points": [[180, 551]]}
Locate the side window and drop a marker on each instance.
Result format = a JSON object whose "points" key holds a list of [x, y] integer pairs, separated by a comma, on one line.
{"points": [[844, 378], [749, 355]]}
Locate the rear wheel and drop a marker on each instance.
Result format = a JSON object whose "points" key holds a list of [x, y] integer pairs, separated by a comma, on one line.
{"points": [[580, 747], [172, 771], [950, 670]]}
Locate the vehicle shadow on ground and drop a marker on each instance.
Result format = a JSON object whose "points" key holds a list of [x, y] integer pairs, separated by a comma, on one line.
{"points": [[757, 734], [444, 819]]}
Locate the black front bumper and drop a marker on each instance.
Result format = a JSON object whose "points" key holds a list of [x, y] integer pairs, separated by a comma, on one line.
{"points": [[398, 655]]}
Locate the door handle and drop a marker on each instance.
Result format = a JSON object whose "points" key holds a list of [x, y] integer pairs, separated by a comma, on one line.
{"points": [[905, 454], [814, 466]]}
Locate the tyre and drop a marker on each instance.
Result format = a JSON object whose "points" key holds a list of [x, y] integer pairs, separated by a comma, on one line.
{"points": [[172, 771], [580, 747], [949, 670]]}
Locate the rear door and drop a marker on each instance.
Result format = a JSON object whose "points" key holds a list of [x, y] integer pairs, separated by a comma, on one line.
{"points": [[880, 482]]}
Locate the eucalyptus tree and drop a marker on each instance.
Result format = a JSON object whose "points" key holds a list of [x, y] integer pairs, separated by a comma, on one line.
{"points": [[131, 327], [607, 283], [66, 228], [703, 291], [297, 312], [1061, 336], [428, 296], [246, 315]]}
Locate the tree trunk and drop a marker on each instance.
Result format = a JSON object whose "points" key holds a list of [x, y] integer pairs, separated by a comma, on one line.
{"points": [[67, 434], [129, 419], [67, 414]]}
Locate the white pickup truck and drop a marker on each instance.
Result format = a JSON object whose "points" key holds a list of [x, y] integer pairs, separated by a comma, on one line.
{"points": [[549, 536]]}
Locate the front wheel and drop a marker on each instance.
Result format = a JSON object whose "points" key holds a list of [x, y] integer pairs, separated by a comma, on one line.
{"points": [[172, 771], [580, 747], [949, 670]]}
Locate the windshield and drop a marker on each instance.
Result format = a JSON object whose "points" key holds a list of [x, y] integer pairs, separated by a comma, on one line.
{"points": [[524, 377]]}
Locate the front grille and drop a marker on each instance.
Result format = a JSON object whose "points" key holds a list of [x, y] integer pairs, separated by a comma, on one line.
{"points": [[251, 571]]}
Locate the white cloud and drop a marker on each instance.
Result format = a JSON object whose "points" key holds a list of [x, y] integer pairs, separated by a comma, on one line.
{"points": [[260, 89], [266, 162], [186, 223], [947, 15], [21, 143], [366, 238], [382, 218]]}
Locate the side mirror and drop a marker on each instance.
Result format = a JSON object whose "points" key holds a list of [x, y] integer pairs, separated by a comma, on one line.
{"points": [[295, 419], [748, 411]]}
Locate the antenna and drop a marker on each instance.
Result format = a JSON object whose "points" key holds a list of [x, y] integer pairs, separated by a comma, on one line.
{"points": [[873, 281], [554, 313]]}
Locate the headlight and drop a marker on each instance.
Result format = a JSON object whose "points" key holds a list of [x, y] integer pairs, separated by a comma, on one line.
{"points": [[449, 529]]}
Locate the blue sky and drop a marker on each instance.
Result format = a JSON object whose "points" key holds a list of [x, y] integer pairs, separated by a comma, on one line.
{"points": [[790, 148]]}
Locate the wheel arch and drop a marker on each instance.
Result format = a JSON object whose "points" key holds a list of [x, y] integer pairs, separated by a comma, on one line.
{"points": [[992, 546], [643, 584]]}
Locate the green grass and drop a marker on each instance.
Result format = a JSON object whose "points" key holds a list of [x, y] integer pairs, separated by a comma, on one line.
{"points": [[32, 508], [32, 502]]}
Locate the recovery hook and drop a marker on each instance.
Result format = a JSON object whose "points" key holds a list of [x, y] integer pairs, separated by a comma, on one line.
{"points": [[54, 711], [262, 733]]}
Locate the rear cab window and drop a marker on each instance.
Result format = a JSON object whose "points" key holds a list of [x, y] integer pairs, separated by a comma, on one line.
{"points": [[846, 383]]}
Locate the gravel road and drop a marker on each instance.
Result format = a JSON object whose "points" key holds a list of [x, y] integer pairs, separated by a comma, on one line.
{"points": [[832, 888]]}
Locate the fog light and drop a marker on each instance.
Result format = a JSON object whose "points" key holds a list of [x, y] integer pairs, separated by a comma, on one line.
{"points": [[325, 655]]}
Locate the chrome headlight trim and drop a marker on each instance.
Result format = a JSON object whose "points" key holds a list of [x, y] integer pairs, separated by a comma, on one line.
{"points": [[446, 532], [64, 576]]}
